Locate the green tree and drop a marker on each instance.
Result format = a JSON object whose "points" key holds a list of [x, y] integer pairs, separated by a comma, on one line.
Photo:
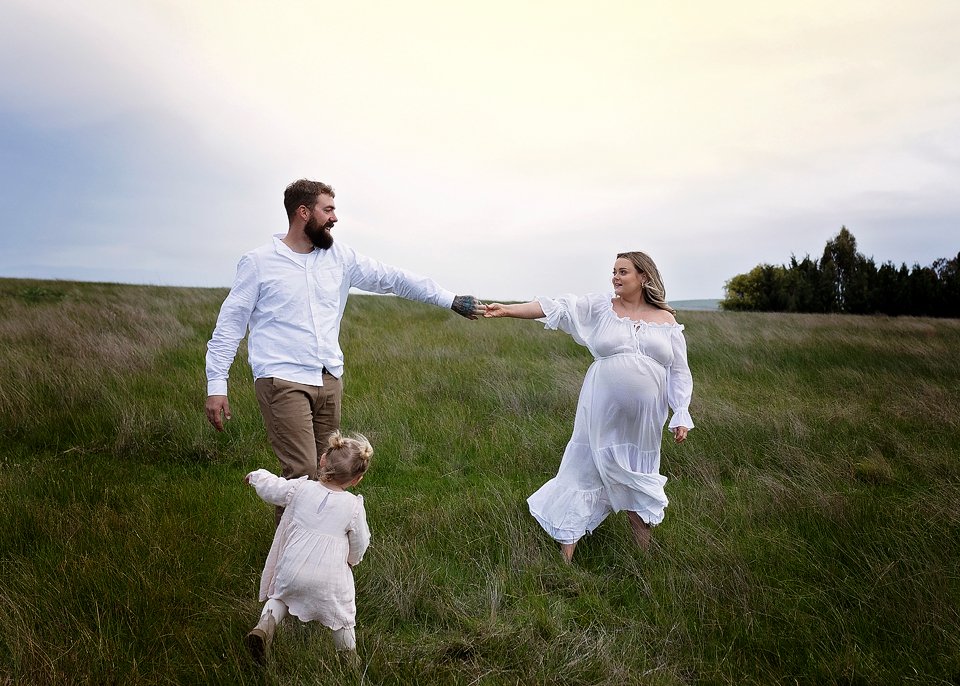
{"points": [[924, 290], [805, 286], [891, 289], [841, 262], [948, 275], [762, 289], [846, 281]]}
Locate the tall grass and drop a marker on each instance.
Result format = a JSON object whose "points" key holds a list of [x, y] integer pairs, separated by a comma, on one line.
{"points": [[813, 534]]}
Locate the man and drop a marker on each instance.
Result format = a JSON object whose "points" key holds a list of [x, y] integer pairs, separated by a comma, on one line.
{"points": [[292, 293]]}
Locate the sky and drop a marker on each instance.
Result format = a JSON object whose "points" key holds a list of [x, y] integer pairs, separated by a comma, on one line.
{"points": [[507, 149]]}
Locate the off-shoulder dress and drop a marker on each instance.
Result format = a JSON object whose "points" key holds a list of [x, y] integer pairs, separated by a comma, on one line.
{"points": [[612, 461]]}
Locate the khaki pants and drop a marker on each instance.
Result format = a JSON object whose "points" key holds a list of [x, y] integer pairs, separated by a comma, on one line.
{"points": [[299, 420]]}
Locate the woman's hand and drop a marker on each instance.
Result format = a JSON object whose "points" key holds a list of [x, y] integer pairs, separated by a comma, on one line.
{"points": [[680, 434], [496, 310], [530, 310]]}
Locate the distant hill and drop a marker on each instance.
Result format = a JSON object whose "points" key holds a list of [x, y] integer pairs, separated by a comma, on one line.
{"points": [[709, 305]]}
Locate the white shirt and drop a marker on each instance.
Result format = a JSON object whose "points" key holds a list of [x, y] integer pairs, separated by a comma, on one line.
{"points": [[293, 308]]}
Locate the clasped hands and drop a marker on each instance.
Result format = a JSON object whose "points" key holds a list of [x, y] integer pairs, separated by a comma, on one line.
{"points": [[472, 308]]}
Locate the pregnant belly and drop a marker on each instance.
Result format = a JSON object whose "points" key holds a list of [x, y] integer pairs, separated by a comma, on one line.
{"points": [[628, 392]]}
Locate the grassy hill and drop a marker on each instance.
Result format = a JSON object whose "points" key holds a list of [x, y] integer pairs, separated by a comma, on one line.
{"points": [[813, 534]]}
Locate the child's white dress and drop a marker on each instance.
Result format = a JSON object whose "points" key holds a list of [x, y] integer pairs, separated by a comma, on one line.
{"points": [[321, 534]]}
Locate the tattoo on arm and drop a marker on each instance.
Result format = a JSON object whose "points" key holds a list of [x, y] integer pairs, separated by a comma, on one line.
{"points": [[464, 305]]}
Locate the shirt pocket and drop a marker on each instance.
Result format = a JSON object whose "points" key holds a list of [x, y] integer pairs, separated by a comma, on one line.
{"points": [[326, 282]]}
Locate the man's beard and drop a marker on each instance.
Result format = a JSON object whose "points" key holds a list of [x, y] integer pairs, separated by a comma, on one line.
{"points": [[320, 236]]}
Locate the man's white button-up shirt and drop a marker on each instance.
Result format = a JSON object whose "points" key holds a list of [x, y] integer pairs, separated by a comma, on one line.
{"points": [[293, 308]]}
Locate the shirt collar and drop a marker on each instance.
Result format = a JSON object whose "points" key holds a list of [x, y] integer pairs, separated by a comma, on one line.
{"points": [[283, 249]]}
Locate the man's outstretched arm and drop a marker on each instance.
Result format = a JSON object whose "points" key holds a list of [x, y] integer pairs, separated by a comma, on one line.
{"points": [[377, 277]]}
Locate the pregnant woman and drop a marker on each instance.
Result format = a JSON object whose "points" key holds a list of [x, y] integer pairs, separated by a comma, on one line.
{"points": [[612, 461]]}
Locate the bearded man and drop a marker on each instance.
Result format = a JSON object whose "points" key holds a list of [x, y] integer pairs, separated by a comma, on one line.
{"points": [[291, 293]]}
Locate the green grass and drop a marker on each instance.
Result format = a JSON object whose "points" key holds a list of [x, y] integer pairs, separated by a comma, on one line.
{"points": [[813, 534]]}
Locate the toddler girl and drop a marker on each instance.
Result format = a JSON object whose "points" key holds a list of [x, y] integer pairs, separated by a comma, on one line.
{"points": [[323, 533]]}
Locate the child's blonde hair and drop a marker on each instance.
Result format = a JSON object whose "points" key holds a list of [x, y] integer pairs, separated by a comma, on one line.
{"points": [[347, 458]]}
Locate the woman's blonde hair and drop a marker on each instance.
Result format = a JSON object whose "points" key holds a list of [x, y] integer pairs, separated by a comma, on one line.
{"points": [[347, 458], [653, 290]]}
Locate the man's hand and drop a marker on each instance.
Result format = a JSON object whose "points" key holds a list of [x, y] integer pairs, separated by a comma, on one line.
{"points": [[468, 306], [217, 409]]}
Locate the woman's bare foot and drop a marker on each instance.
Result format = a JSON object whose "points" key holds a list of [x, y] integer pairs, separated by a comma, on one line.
{"points": [[567, 550], [640, 529]]}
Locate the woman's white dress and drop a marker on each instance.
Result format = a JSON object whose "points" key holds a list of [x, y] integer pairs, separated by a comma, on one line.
{"points": [[321, 534], [612, 461]]}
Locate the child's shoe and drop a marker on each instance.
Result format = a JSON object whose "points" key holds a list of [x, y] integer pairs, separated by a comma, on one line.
{"points": [[259, 639]]}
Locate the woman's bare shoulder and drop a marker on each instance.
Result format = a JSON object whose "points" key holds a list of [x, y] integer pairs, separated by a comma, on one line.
{"points": [[658, 316]]}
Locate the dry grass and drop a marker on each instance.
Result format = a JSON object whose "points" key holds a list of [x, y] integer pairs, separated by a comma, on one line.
{"points": [[812, 534]]}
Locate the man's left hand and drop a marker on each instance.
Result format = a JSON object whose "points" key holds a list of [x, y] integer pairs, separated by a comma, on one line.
{"points": [[468, 306]]}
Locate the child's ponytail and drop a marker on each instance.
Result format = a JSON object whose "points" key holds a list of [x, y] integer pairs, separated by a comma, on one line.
{"points": [[346, 458]]}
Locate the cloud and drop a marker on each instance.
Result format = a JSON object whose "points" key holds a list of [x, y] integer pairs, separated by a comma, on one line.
{"points": [[504, 149]]}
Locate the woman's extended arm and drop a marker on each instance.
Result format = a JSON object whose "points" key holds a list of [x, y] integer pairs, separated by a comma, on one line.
{"points": [[530, 310]]}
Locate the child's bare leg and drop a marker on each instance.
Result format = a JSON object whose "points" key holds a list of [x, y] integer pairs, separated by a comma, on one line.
{"points": [[566, 549]]}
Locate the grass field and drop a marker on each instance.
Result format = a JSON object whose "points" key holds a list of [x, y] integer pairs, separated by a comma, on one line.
{"points": [[813, 534]]}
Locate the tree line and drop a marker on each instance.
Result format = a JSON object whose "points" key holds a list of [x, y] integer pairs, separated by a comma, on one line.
{"points": [[845, 281]]}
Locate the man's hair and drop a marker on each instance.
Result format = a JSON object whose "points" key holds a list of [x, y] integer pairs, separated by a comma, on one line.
{"points": [[304, 192]]}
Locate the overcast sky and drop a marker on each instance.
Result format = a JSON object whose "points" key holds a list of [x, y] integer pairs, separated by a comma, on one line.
{"points": [[505, 148]]}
